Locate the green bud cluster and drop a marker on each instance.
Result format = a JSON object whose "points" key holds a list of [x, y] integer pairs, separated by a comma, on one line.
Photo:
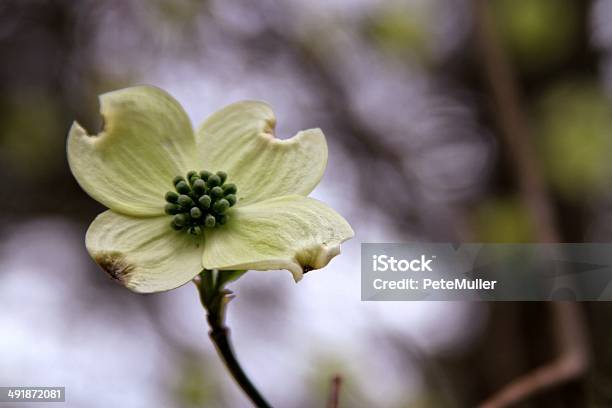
{"points": [[200, 201]]}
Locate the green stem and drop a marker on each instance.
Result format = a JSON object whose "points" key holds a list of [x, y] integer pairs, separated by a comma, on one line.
{"points": [[215, 299]]}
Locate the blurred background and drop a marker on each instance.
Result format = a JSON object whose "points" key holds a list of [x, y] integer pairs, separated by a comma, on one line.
{"points": [[447, 120]]}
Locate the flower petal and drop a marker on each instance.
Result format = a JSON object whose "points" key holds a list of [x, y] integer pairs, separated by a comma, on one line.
{"points": [[147, 140], [293, 232], [144, 254], [239, 140]]}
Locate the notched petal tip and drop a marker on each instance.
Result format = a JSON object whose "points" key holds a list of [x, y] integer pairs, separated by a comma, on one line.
{"points": [[146, 139], [115, 265], [78, 135], [120, 270], [269, 128], [76, 130], [313, 133], [313, 258], [293, 233], [125, 97], [241, 140], [260, 112]]}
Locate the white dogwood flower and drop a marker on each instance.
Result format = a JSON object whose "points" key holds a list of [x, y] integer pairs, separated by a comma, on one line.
{"points": [[229, 196]]}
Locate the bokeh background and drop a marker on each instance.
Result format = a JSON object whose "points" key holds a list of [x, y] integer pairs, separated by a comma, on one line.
{"points": [[422, 102]]}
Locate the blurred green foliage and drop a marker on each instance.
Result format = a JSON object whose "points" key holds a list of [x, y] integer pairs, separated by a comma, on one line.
{"points": [[502, 220], [538, 33], [30, 123], [401, 31], [574, 121], [198, 384], [319, 383], [431, 399], [179, 11]]}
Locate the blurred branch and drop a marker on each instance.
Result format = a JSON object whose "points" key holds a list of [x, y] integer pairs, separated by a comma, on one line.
{"points": [[334, 393], [569, 327], [571, 363]]}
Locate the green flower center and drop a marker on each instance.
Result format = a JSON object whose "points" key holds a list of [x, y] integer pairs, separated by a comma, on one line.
{"points": [[200, 201]]}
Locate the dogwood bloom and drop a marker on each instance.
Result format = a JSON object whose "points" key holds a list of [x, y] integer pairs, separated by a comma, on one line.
{"points": [[229, 196]]}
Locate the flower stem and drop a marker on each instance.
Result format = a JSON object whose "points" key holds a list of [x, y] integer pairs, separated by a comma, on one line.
{"points": [[215, 298], [220, 336]]}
